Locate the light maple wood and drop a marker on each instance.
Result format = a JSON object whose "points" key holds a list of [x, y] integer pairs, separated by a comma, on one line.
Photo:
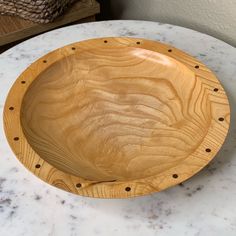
{"points": [[116, 117]]}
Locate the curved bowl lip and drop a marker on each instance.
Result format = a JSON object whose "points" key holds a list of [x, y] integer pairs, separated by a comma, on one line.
{"points": [[214, 138]]}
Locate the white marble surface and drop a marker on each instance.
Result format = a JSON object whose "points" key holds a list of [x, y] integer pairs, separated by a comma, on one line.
{"points": [[203, 205]]}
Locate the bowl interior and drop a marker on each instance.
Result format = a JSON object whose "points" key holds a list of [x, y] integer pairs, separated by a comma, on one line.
{"points": [[111, 114]]}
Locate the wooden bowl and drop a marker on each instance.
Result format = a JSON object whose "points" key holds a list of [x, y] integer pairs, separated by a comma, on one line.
{"points": [[116, 117]]}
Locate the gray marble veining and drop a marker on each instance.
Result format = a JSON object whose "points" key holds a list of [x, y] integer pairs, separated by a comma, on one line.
{"points": [[203, 205]]}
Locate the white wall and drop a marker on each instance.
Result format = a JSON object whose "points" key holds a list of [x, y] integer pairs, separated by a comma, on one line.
{"points": [[214, 17]]}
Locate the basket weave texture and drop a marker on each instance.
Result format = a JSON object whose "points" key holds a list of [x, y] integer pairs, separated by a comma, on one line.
{"points": [[40, 11]]}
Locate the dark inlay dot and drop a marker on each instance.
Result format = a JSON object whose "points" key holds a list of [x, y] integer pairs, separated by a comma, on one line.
{"points": [[127, 189], [23, 82], [16, 138], [170, 50], [37, 166], [216, 89], [221, 119], [78, 185], [73, 48], [137, 42], [11, 108], [175, 176], [208, 150], [105, 41], [197, 66], [44, 61]]}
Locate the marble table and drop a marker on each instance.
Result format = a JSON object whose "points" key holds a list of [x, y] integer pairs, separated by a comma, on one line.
{"points": [[203, 205]]}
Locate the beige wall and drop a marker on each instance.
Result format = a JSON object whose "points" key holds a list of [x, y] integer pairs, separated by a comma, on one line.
{"points": [[214, 17]]}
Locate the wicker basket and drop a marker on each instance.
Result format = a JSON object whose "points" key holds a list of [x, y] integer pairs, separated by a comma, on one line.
{"points": [[41, 11]]}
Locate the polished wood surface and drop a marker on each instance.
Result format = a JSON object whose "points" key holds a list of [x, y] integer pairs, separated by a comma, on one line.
{"points": [[116, 117]]}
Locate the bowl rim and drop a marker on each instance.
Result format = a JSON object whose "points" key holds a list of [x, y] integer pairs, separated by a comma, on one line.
{"points": [[205, 152]]}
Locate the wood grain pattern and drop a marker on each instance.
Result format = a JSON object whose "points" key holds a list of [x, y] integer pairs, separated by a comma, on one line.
{"points": [[14, 28], [116, 117]]}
